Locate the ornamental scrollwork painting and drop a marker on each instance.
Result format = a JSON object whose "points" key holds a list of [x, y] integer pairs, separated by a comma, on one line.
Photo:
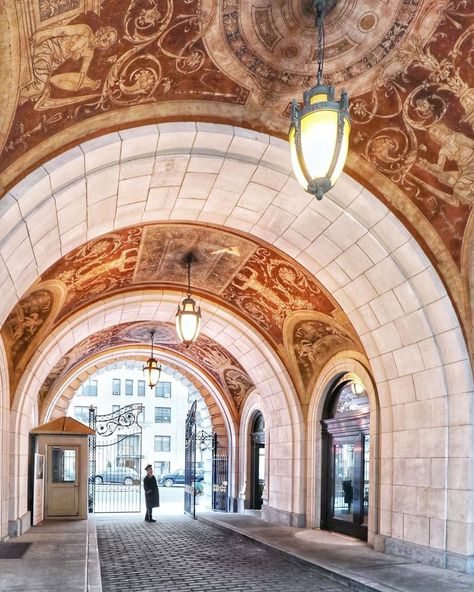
{"points": [[417, 124], [313, 342], [207, 353], [267, 289], [141, 51], [26, 320]]}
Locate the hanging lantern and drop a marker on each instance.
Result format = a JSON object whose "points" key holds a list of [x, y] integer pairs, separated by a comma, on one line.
{"points": [[152, 369], [188, 316], [319, 131]]}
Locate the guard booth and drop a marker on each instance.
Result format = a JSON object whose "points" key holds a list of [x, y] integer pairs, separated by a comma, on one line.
{"points": [[59, 469]]}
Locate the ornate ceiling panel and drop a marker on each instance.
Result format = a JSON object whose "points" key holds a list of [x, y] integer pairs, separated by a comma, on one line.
{"points": [[212, 358], [73, 69], [408, 66], [257, 283]]}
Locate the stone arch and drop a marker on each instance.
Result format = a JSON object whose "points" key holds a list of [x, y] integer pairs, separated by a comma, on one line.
{"points": [[4, 440], [58, 402], [349, 241], [267, 370], [222, 421]]}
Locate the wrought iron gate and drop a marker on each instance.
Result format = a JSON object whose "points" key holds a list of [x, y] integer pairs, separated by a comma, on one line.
{"points": [[190, 462], [204, 441], [115, 458], [219, 479]]}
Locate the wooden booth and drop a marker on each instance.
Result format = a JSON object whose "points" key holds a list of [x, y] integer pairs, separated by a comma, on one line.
{"points": [[60, 473]]}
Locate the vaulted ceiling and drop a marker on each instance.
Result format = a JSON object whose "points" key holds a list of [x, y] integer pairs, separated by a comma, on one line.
{"points": [[73, 70]]}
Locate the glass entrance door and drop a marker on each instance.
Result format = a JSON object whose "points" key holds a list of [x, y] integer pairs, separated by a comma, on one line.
{"points": [[257, 477], [343, 483], [347, 497]]}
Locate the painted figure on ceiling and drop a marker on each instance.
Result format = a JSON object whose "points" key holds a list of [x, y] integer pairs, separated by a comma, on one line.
{"points": [[458, 148], [51, 48]]}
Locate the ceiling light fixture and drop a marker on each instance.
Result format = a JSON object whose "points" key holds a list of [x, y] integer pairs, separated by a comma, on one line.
{"points": [[319, 131], [152, 370], [188, 316]]}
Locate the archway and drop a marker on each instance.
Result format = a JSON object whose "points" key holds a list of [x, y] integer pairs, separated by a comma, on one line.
{"points": [[350, 243]]}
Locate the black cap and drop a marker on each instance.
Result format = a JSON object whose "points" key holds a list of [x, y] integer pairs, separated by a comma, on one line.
{"points": [[148, 467]]}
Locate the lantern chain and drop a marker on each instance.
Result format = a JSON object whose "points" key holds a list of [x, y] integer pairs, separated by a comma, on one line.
{"points": [[319, 6], [188, 261]]}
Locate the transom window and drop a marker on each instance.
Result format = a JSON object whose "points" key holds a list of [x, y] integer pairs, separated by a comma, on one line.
{"points": [[351, 398]]}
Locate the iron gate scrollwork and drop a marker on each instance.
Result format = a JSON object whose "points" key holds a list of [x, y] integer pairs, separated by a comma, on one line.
{"points": [[190, 462], [115, 459], [202, 440], [219, 479]]}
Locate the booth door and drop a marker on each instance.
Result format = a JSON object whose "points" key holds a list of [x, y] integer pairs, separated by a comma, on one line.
{"points": [[62, 493]]}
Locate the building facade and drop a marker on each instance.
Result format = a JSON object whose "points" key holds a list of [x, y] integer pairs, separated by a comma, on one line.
{"points": [[162, 420]]}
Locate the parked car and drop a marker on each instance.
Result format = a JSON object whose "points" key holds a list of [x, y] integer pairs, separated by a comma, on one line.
{"points": [[177, 478], [123, 475]]}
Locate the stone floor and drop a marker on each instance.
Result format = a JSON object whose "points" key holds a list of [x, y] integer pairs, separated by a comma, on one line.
{"points": [[183, 555], [62, 557], [217, 553]]}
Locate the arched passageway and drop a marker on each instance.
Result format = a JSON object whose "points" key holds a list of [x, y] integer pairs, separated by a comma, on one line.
{"points": [[375, 297]]}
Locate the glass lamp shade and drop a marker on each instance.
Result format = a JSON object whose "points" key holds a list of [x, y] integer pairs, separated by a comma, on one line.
{"points": [[152, 372], [188, 321], [319, 139]]}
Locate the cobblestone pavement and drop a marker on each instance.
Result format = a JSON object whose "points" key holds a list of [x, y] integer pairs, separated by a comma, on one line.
{"points": [[183, 555]]}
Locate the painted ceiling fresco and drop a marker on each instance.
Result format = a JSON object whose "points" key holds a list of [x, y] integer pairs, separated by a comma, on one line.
{"points": [[218, 363], [256, 282], [73, 69], [407, 64]]}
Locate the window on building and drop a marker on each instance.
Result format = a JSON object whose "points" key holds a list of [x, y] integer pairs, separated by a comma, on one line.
{"points": [[129, 387], [163, 389], [162, 443], [89, 389], [81, 413], [162, 414], [161, 467], [115, 408], [116, 386], [128, 447], [141, 388]]}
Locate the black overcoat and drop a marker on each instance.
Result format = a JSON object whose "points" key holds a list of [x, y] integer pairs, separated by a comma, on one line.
{"points": [[152, 495]]}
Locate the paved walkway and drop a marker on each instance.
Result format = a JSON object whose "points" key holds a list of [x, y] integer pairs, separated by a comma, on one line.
{"points": [[183, 555], [59, 556], [216, 553], [348, 560]]}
